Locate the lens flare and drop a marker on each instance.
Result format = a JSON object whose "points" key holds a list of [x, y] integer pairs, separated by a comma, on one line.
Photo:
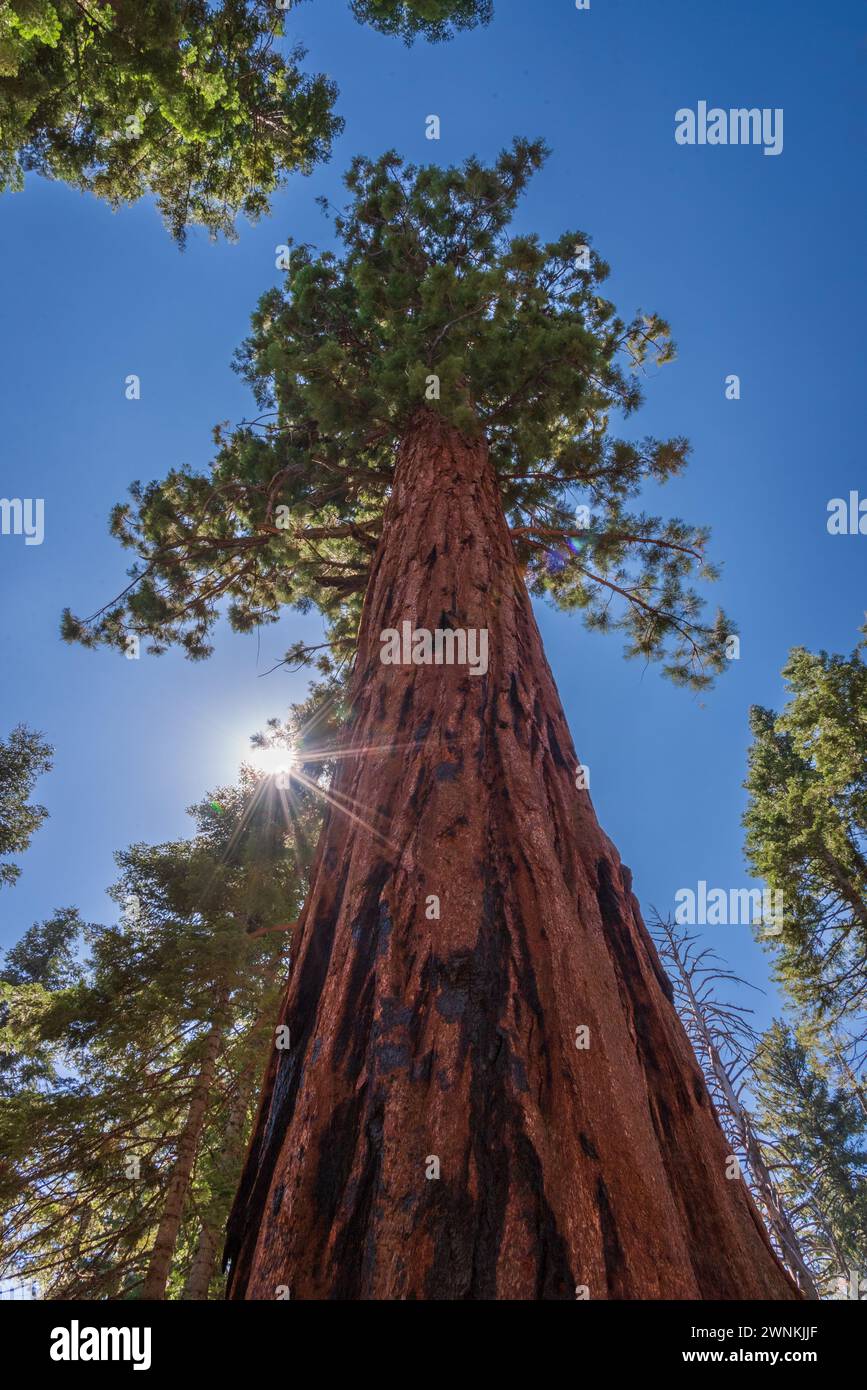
{"points": [[272, 761]]}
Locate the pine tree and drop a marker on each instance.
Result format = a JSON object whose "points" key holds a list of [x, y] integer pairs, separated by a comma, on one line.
{"points": [[488, 1092], [806, 828], [45, 954], [435, 19], [806, 825], [23, 757], [126, 1070], [191, 102], [816, 1140], [41, 962]]}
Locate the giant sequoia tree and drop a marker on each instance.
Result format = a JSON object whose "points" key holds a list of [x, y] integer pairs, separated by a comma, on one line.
{"points": [[488, 1093], [190, 100]]}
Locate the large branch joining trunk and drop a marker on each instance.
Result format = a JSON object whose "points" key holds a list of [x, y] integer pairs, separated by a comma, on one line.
{"points": [[414, 1038]]}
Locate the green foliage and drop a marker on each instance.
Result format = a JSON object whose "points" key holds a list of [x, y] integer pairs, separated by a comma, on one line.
{"points": [[42, 962], [45, 955], [814, 1136], [434, 19], [23, 757], [806, 826], [99, 1056], [193, 101], [429, 282]]}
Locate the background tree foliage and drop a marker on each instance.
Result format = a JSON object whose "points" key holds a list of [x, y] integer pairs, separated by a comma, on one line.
{"points": [[104, 1032], [23, 757], [793, 1111], [430, 302], [192, 101], [814, 1133], [726, 1042], [435, 19], [806, 825], [41, 963]]}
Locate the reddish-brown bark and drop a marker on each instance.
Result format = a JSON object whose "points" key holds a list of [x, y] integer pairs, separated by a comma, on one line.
{"points": [[456, 1037]]}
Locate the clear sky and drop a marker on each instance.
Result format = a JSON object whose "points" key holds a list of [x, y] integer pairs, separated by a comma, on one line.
{"points": [[757, 261]]}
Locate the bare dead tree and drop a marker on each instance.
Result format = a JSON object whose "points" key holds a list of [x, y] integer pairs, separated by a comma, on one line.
{"points": [[725, 1043]]}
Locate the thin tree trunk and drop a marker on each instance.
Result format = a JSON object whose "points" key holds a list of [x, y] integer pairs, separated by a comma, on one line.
{"points": [[745, 1134], [203, 1265], [204, 1260], [778, 1216], [850, 1076], [157, 1276], [424, 1044], [781, 1226], [850, 892]]}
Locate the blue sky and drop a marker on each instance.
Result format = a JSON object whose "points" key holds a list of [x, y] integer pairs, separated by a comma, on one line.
{"points": [[757, 262]]}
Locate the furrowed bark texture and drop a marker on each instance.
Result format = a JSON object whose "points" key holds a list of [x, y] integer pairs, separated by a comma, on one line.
{"points": [[414, 1038]]}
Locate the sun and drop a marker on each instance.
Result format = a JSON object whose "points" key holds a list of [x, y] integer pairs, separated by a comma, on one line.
{"points": [[272, 761]]}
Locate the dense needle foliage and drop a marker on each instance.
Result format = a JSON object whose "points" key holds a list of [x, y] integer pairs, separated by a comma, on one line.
{"points": [[431, 301], [198, 102]]}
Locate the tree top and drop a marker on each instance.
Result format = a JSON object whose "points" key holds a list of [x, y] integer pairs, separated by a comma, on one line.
{"points": [[429, 301]]}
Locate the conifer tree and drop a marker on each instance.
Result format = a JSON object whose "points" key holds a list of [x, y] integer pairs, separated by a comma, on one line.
{"points": [[488, 1092], [725, 1042], [435, 19], [42, 962], [816, 1140], [433, 313], [193, 102], [23, 757], [125, 1072], [806, 825]]}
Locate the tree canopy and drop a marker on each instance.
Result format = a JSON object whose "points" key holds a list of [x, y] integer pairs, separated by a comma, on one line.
{"points": [[806, 828], [23, 756], [434, 19], [429, 302], [193, 101], [814, 1134], [103, 1031]]}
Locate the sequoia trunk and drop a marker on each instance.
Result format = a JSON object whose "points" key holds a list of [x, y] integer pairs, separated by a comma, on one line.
{"points": [[435, 1130]]}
